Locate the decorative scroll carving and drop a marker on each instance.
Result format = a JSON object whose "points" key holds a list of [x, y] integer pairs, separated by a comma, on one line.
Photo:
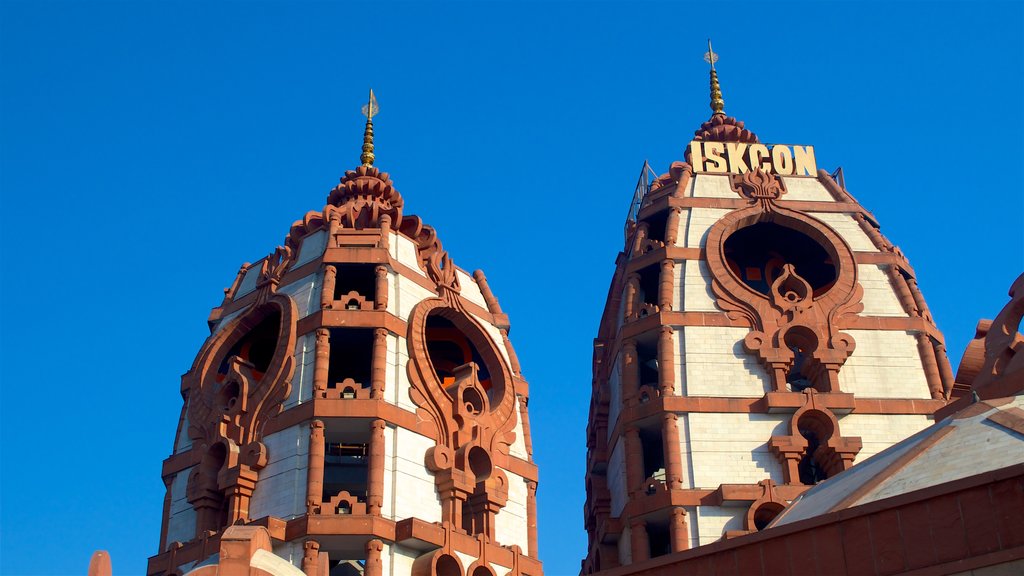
{"points": [[363, 196], [792, 316], [833, 454]]}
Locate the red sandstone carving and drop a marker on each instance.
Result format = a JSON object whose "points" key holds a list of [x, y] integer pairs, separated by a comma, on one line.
{"points": [[834, 454]]}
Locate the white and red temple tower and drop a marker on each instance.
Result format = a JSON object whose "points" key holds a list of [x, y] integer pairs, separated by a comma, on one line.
{"points": [[357, 409], [760, 335]]}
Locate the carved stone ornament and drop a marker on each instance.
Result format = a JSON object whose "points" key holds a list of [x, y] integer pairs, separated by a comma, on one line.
{"points": [[791, 315], [230, 400], [363, 196], [834, 452], [722, 128]]}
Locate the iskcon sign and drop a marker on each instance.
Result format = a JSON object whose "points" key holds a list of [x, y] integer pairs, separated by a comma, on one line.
{"points": [[739, 157]]}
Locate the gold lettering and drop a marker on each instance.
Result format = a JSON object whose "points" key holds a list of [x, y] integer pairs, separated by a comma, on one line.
{"points": [[759, 157], [803, 157], [782, 160], [735, 153], [714, 153], [696, 157]]}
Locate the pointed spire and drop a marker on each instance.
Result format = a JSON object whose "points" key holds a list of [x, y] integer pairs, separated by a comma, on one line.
{"points": [[717, 104], [369, 110]]}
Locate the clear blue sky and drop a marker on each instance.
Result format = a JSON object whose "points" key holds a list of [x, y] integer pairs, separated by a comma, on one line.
{"points": [[149, 148]]}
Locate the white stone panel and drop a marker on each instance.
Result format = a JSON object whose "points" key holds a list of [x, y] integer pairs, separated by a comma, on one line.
{"points": [[248, 283], [227, 319], [404, 250], [305, 292], [716, 364], [292, 551], [809, 189], [879, 431], [712, 186], [518, 447], [406, 295], [879, 296], [683, 426], [181, 521], [617, 478], [313, 247], [183, 442], [684, 226], [510, 522], [625, 549], [281, 488], [470, 290], [396, 383], [846, 226], [714, 521], [733, 448], [500, 570], [885, 364], [495, 335], [466, 559], [409, 490], [397, 560], [696, 287], [302, 380], [615, 393], [700, 221], [270, 563]]}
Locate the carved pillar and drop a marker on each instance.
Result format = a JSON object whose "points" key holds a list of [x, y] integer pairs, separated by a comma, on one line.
{"points": [[634, 460], [243, 482], [385, 231], [678, 531], [327, 292], [666, 362], [311, 558], [513, 360], [630, 372], [379, 363], [641, 235], [931, 367], [673, 458], [672, 227], [315, 482], [631, 295], [639, 544], [666, 285], [375, 484], [945, 371], [380, 301], [374, 566], [525, 416], [322, 365], [531, 518]]}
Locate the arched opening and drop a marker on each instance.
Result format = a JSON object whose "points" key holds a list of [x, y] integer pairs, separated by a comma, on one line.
{"points": [[257, 346], [448, 566], [765, 513], [802, 343], [448, 348], [472, 400], [816, 428], [482, 571], [479, 463], [756, 254]]}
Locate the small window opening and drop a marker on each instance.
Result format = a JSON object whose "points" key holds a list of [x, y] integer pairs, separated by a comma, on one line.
{"points": [[448, 566], [258, 346], [359, 278], [757, 253], [650, 278], [647, 358], [654, 454], [449, 348], [658, 537], [351, 354], [802, 343], [810, 472], [656, 226], [346, 468], [765, 513]]}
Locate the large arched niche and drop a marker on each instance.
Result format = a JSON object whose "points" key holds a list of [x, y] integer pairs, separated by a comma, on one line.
{"points": [[441, 336], [826, 259]]}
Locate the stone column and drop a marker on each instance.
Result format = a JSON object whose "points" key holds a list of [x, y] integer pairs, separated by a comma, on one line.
{"points": [[525, 416], [385, 231], [374, 566], [375, 482], [379, 363], [899, 283], [931, 367], [485, 291], [639, 544], [311, 558], [630, 372], [380, 301], [945, 371], [640, 237], [672, 227], [327, 291], [315, 480], [666, 362], [919, 299], [634, 460], [322, 362], [678, 530], [630, 296], [673, 458], [531, 518], [666, 285]]}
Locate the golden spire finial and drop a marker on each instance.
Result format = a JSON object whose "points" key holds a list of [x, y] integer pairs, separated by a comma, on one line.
{"points": [[717, 104], [369, 110]]}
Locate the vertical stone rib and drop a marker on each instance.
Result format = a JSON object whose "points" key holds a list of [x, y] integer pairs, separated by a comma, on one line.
{"points": [[485, 290], [385, 231], [919, 299], [945, 370], [631, 295], [531, 518], [327, 292], [931, 367], [525, 416], [380, 300], [378, 364], [630, 372], [679, 531], [375, 484], [315, 479], [634, 460], [322, 362], [513, 360], [899, 283], [666, 285], [672, 227], [666, 362], [673, 459], [639, 544]]}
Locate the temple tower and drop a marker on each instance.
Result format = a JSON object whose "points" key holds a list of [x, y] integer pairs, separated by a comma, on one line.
{"points": [[760, 335], [359, 399]]}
